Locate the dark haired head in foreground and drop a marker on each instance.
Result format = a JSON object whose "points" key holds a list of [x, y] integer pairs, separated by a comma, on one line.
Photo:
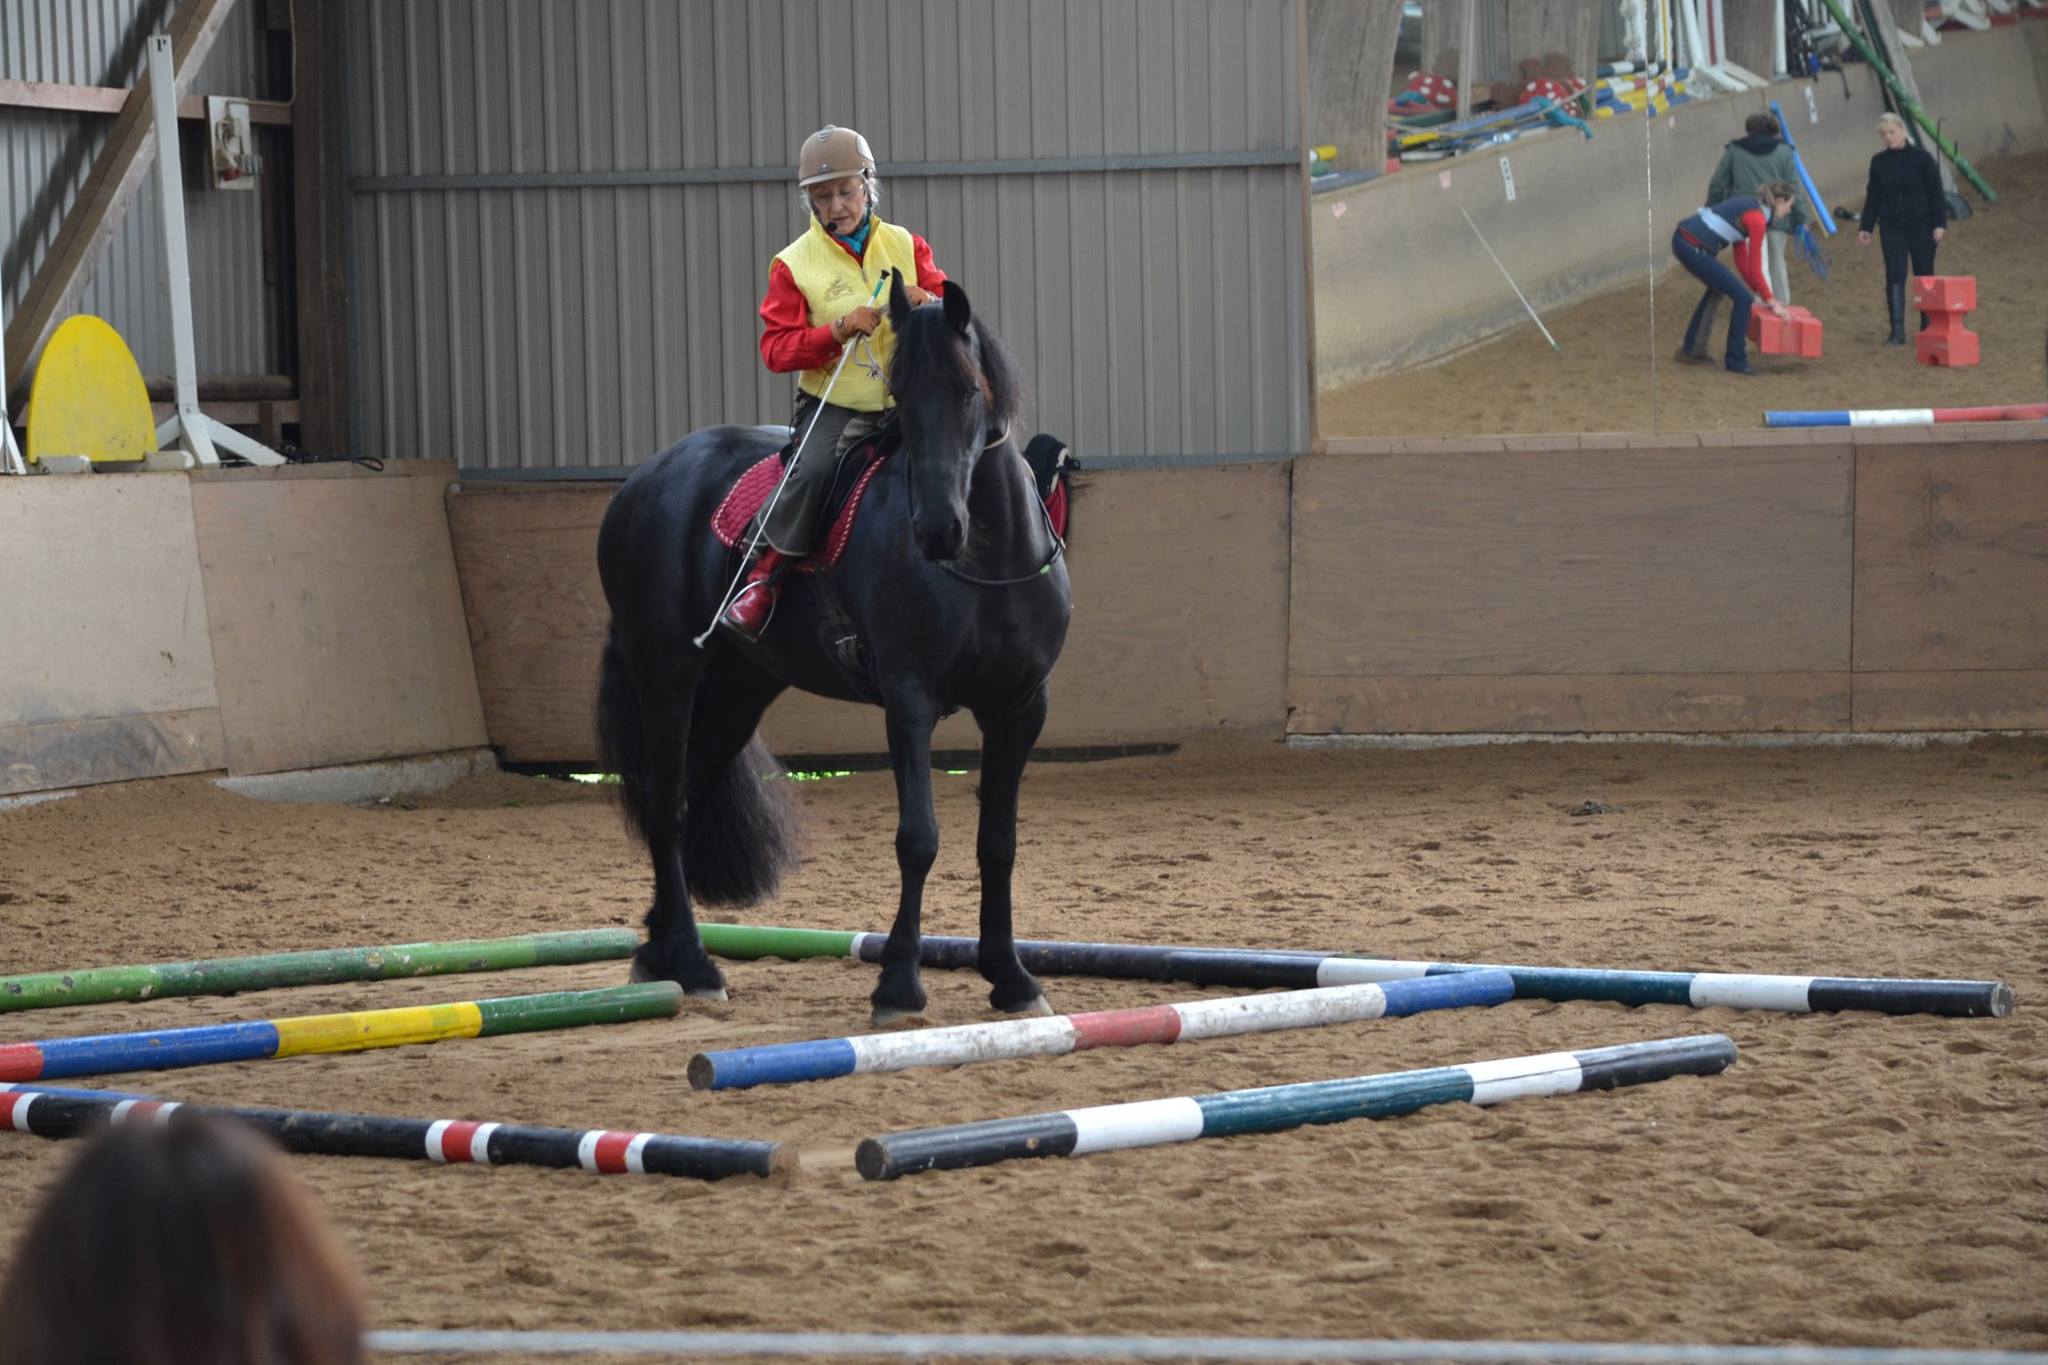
{"points": [[188, 1243]]}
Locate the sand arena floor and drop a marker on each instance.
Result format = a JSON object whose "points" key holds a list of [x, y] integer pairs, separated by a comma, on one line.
{"points": [[1601, 378], [1855, 1179]]}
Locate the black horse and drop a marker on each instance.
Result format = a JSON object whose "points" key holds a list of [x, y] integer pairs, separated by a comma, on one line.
{"points": [[951, 593]]}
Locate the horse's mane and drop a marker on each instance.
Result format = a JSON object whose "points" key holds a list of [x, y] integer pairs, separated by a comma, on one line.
{"points": [[927, 345]]}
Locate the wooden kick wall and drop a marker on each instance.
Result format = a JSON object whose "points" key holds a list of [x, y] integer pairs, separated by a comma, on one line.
{"points": [[248, 620], [1738, 582], [1180, 616], [1808, 582], [1820, 581]]}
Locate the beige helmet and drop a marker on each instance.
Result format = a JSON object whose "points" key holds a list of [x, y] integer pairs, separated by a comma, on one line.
{"points": [[831, 153]]}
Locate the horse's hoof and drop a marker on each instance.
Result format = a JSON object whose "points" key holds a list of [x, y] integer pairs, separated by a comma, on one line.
{"points": [[890, 1016], [706, 993], [1037, 1005], [640, 973]]}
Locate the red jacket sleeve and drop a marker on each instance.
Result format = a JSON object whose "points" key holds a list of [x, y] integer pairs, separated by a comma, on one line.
{"points": [[1749, 252], [930, 278], [788, 341]]}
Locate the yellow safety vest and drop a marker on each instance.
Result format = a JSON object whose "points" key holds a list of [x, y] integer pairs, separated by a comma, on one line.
{"points": [[834, 284]]}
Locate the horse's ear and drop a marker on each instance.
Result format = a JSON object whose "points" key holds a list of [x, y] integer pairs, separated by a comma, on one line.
{"points": [[958, 312], [899, 302]]}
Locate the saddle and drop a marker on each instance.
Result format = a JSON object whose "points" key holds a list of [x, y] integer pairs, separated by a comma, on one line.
{"points": [[734, 518], [1047, 456]]}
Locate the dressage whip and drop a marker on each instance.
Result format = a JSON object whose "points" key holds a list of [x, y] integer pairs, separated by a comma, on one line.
{"points": [[761, 518], [1511, 281]]}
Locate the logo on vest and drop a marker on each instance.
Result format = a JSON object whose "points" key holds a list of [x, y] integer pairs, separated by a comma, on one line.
{"points": [[838, 290]]}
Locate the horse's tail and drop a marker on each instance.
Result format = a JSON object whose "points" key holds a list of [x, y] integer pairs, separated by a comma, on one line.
{"points": [[740, 837], [620, 742], [739, 828]]}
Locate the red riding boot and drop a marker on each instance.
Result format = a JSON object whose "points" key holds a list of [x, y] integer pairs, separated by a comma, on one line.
{"points": [[755, 602]]}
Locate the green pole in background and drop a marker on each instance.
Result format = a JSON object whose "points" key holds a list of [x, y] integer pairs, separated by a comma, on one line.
{"points": [[318, 967], [1909, 105]]}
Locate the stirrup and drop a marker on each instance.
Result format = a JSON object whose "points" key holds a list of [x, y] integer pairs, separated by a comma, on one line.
{"points": [[729, 618]]}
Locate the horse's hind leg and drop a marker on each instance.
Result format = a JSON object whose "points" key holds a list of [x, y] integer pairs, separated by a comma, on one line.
{"points": [[673, 951], [900, 993], [1005, 748]]}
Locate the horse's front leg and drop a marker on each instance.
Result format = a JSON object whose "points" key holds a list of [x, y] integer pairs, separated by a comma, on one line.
{"points": [[901, 993], [1005, 748]]}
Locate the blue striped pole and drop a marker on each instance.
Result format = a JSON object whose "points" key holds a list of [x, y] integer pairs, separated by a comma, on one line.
{"points": [[355, 1031], [1904, 417], [1271, 1109], [1248, 969], [1820, 206], [827, 1058]]}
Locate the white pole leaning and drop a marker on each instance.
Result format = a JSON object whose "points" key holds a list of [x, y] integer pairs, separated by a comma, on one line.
{"points": [[11, 461], [1511, 281], [198, 433]]}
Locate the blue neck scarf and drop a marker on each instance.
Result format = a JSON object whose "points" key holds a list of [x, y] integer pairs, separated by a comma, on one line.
{"points": [[857, 240]]}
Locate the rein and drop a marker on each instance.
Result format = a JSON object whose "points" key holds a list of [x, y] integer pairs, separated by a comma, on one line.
{"points": [[1059, 545]]}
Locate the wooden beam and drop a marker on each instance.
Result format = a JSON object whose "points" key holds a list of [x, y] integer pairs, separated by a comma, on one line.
{"points": [[117, 172], [255, 414], [319, 215], [227, 387], [1350, 54], [107, 99]]}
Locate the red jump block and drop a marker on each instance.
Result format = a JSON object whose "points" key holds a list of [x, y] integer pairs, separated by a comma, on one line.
{"points": [[1798, 335], [1945, 298]]}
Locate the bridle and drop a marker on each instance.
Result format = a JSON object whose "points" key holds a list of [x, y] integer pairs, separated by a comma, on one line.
{"points": [[1059, 544]]}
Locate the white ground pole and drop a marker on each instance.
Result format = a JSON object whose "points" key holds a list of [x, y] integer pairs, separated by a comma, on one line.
{"points": [[11, 461], [195, 433], [964, 1346]]}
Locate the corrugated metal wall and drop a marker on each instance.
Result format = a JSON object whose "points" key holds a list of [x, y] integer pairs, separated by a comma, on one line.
{"points": [[563, 215], [45, 157]]}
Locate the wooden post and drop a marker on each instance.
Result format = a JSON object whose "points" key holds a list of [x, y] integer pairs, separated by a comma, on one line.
{"points": [[1351, 62], [1468, 55], [117, 172], [319, 210]]}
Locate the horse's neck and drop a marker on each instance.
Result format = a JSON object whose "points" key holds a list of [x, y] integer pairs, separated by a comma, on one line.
{"points": [[1005, 524]]}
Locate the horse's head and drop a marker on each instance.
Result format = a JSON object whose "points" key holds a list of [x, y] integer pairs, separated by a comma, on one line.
{"points": [[956, 391]]}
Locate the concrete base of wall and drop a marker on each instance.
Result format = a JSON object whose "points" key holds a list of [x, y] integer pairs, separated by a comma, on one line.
{"points": [[349, 784], [359, 782]]}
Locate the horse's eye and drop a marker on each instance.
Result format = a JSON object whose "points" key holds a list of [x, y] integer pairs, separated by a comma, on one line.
{"points": [[967, 398]]}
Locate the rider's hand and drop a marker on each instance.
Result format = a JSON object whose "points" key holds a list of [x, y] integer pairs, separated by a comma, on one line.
{"points": [[920, 297], [1863, 238], [1940, 233], [861, 321]]}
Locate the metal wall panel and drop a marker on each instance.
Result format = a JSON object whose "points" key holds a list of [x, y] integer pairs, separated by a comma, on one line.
{"points": [[45, 158], [516, 322]]}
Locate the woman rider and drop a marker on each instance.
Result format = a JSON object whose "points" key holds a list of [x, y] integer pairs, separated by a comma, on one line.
{"points": [[821, 301]]}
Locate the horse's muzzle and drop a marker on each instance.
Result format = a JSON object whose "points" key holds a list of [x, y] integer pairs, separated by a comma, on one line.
{"points": [[941, 538]]}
